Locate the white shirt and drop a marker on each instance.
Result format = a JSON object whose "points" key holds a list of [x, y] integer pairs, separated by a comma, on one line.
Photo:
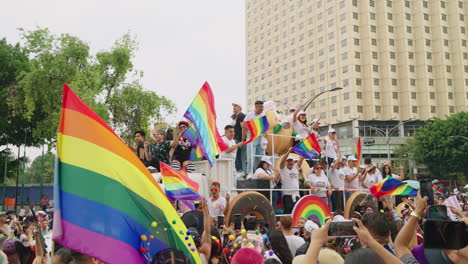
{"points": [[290, 180], [318, 181], [371, 179], [379, 175], [215, 208], [294, 242], [228, 155], [331, 148], [262, 171], [336, 178], [301, 130], [347, 171]]}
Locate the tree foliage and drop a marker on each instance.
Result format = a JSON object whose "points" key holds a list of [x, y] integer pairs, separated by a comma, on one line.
{"points": [[443, 146], [100, 80], [42, 166]]}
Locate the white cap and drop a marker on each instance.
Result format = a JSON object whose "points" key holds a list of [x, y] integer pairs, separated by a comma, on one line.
{"points": [[293, 158], [351, 157], [292, 109], [267, 159], [362, 166], [315, 120], [331, 130], [309, 226], [338, 218], [239, 105], [301, 113]]}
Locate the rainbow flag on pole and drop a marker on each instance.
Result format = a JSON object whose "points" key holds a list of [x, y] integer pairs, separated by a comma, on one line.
{"points": [[256, 127], [178, 186], [202, 114], [108, 205], [309, 148], [191, 135], [358, 151], [391, 186]]}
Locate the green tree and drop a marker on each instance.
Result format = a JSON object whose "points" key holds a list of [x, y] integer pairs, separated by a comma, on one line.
{"points": [[98, 80], [41, 167], [133, 109], [442, 146]]}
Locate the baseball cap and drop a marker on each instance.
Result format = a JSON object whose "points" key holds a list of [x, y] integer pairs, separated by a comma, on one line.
{"points": [[267, 159], [301, 113], [239, 105], [315, 120], [292, 158], [309, 226], [331, 130], [351, 157], [292, 109]]}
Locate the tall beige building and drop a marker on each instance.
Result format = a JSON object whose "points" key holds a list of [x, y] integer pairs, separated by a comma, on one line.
{"points": [[396, 60]]}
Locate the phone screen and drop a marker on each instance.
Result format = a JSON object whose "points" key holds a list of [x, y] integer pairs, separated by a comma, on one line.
{"points": [[426, 190], [237, 221], [445, 234], [220, 220], [437, 212], [342, 229]]}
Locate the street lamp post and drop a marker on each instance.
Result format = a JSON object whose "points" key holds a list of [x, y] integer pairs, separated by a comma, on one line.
{"points": [[387, 133], [306, 104], [465, 138]]}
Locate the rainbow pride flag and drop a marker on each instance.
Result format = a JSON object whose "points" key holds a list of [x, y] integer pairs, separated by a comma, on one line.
{"points": [[391, 186], [202, 114], [436, 190], [191, 135], [256, 127], [309, 148], [107, 204], [178, 186], [358, 151]]}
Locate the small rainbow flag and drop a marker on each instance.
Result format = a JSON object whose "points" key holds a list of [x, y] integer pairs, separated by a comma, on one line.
{"points": [[202, 114], [178, 186], [436, 190], [391, 186], [191, 135], [108, 205], [358, 151], [309, 148], [257, 127]]}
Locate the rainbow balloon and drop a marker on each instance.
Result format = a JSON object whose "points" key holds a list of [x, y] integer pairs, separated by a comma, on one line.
{"points": [[311, 205]]}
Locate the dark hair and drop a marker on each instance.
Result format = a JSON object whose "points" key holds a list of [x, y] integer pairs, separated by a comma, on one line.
{"points": [[141, 132], [169, 256], [228, 127], [338, 212], [216, 249], [279, 245], [169, 135], [377, 223], [384, 174], [260, 164], [258, 102], [271, 261], [79, 258], [250, 223], [65, 255], [367, 160], [363, 256]]}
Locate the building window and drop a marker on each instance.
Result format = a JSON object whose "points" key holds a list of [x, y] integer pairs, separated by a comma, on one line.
{"points": [[433, 109], [444, 17], [359, 108], [372, 15], [426, 17], [449, 82], [346, 109], [451, 109], [428, 55], [356, 42], [448, 68], [359, 95], [408, 16], [345, 96], [358, 81], [394, 81], [391, 42], [408, 29], [450, 95], [334, 112], [357, 68], [413, 95], [432, 95], [396, 109], [392, 55], [390, 29], [431, 82], [411, 68], [392, 68], [376, 81], [355, 15], [413, 82], [395, 95], [376, 95], [357, 55], [429, 68], [377, 108], [374, 42], [374, 55], [414, 109]]}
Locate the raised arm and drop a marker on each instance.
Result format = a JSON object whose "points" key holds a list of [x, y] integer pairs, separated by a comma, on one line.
{"points": [[284, 158]]}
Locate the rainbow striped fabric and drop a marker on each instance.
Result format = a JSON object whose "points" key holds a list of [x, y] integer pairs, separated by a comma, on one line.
{"points": [[308, 148], [256, 127], [436, 190], [191, 135], [178, 186], [202, 114], [358, 151], [391, 186], [107, 204]]}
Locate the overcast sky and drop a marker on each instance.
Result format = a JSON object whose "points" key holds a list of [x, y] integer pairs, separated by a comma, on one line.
{"points": [[181, 43]]}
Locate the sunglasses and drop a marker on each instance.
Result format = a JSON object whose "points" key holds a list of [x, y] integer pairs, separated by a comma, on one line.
{"points": [[318, 168], [214, 190], [181, 127]]}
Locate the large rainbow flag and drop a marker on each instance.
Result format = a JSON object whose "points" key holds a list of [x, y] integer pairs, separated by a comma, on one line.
{"points": [[256, 127], [358, 151], [391, 186], [177, 185], [309, 148], [107, 204], [202, 114]]}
